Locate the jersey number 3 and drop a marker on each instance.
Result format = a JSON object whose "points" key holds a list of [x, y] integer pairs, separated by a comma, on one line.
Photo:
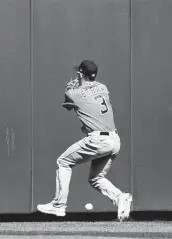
{"points": [[102, 102]]}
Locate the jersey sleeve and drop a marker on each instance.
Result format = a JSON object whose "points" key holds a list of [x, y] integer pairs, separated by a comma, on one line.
{"points": [[68, 103], [68, 97]]}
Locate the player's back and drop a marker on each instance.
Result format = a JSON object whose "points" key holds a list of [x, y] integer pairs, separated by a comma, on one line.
{"points": [[93, 107]]}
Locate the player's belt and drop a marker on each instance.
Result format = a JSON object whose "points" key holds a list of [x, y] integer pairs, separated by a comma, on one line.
{"points": [[112, 133], [109, 133]]}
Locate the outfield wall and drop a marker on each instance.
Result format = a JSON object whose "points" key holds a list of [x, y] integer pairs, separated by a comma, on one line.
{"points": [[40, 41]]}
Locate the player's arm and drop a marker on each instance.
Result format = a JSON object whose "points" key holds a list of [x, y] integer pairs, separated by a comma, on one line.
{"points": [[68, 103]]}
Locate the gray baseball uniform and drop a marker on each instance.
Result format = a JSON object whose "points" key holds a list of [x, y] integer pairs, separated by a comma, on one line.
{"points": [[93, 106], [102, 143]]}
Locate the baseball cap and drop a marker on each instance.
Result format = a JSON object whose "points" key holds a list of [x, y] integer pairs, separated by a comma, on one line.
{"points": [[88, 68]]}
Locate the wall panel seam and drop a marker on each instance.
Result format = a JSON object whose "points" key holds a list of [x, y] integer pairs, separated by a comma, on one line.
{"points": [[131, 107], [31, 102]]}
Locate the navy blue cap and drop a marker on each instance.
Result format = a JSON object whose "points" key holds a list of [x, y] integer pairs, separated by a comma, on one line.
{"points": [[88, 68]]}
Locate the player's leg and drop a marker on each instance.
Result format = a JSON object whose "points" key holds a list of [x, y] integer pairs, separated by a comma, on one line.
{"points": [[97, 179], [77, 153]]}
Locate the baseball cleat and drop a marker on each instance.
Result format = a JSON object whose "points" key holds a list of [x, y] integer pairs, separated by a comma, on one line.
{"points": [[50, 209], [124, 204]]}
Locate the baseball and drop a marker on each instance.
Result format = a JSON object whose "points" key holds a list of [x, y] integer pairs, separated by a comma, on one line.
{"points": [[88, 206]]}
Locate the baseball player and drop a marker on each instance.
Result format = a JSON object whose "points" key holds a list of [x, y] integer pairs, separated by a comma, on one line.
{"points": [[100, 145]]}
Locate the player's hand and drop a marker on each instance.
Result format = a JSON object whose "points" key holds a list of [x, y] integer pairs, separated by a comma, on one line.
{"points": [[72, 84]]}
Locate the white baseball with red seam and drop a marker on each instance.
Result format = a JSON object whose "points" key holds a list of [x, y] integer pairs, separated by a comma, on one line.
{"points": [[89, 206]]}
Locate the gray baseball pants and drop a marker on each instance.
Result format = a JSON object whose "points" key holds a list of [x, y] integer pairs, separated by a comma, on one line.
{"points": [[101, 151]]}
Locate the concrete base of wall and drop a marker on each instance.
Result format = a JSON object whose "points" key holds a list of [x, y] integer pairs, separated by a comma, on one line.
{"points": [[98, 216]]}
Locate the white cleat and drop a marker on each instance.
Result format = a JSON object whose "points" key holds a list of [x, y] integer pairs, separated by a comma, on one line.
{"points": [[124, 205], [50, 209]]}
